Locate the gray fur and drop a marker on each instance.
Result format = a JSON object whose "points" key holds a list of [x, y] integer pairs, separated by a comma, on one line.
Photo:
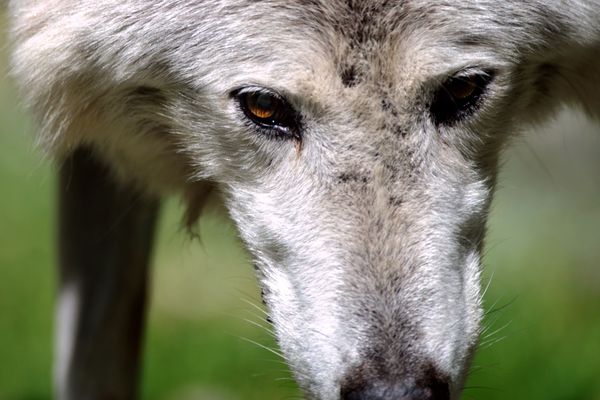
{"points": [[368, 234]]}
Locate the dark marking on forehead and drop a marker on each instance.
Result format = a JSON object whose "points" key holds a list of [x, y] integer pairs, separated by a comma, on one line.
{"points": [[399, 130], [371, 20], [351, 176], [349, 75], [391, 118], [363, 26], [392, 168], [389, 107], [395, 201]]}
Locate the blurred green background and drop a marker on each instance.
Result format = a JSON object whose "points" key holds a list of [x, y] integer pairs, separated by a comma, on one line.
{"points": [[543, 325]]}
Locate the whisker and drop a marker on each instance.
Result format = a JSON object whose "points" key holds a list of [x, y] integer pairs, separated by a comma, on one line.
{"points": [[262, 346], [255, 306], [488, 284], [487, 344], [490, 334], [264, 328]]}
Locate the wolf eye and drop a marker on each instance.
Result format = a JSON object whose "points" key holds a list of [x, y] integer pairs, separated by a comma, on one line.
{"points": [[261, 106], [458, 97], [270, 112]]}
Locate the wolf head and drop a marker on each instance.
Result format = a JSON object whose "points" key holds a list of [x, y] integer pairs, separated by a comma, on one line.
{"points": [[355, 143]]}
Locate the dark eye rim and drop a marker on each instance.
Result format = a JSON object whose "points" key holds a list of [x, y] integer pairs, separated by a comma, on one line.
{"points": [[445, 109], [285, 124]]}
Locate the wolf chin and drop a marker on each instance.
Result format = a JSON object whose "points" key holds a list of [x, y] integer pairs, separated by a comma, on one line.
{"points": [[354, 143]]}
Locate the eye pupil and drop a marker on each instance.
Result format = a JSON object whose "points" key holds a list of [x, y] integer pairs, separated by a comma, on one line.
{"points": [[264, 101], [462, 89], [261, 105]]}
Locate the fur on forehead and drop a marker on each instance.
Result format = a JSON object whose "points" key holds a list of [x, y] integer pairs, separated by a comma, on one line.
{"points": [[363, 39], [367, 25]]}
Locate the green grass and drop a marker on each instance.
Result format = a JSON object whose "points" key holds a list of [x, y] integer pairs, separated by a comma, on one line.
{"points": [[543, 250]]}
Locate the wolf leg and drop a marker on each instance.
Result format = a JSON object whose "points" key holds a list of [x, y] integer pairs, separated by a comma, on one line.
{"points": [[106, 232]]}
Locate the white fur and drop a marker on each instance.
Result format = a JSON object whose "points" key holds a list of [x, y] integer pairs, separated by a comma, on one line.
{"points": [[67, 312]]}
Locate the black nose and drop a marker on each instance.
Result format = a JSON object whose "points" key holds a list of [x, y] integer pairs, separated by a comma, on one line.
{"points": [[380, 390]]}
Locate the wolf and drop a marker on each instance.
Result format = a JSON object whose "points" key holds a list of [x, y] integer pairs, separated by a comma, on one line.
{"points": [[355, 143]]}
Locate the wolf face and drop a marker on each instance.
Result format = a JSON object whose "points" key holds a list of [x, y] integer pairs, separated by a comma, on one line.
{"points": [[356, 145]]}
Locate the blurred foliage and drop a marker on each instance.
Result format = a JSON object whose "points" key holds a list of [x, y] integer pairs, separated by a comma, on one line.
{"points": [[542, 339]]}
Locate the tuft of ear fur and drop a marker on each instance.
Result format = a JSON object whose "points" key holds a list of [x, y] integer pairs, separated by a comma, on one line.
{"points": [[195, 199]]}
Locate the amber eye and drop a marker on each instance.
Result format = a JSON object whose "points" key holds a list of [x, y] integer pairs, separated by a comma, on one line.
{"points": [[261, 105], [269, 111], [462, 89], [458, 97]]}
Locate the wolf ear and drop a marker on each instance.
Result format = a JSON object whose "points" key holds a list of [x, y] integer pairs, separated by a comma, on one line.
{"points": [[543, 87], [79, 96], [88, 91], [567, 66]]}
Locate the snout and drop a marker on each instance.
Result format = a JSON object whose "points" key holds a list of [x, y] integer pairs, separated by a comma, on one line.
{"points": [[426, 387]]}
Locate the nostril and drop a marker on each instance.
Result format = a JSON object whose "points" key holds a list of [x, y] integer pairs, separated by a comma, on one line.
{"points": [[396, 391]]}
